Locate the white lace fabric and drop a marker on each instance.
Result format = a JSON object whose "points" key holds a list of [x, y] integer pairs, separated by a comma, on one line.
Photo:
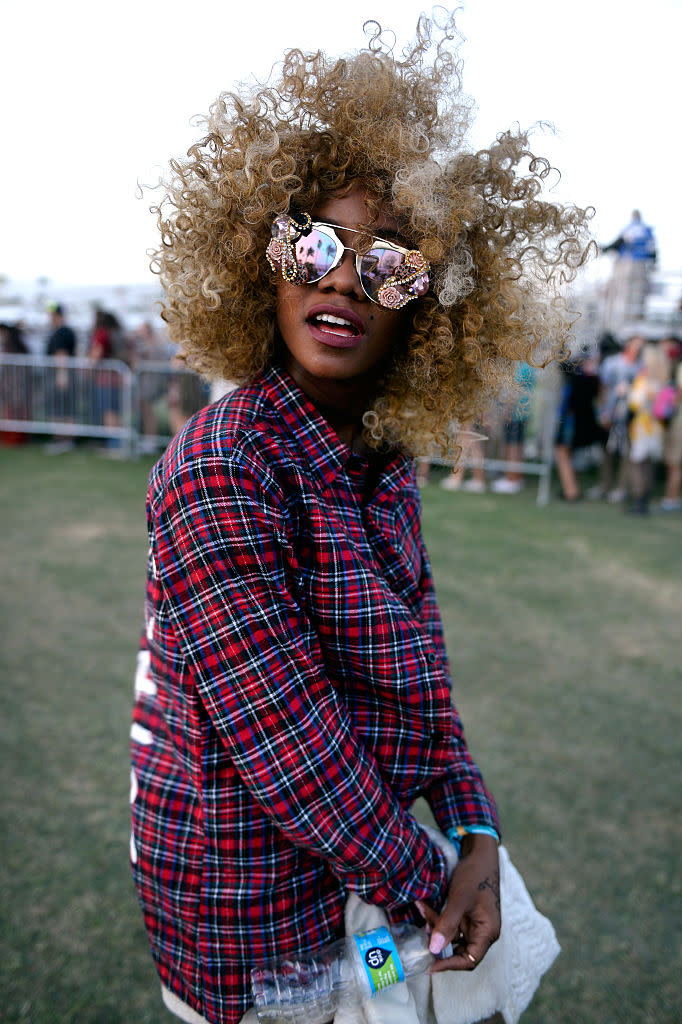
{"points": [[505, 980]]}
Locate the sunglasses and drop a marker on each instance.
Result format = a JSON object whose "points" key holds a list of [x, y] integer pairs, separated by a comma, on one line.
{"points": [[306, 250]]}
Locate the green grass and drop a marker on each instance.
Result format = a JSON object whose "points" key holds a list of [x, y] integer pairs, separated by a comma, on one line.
{"points": [[563, 626]]}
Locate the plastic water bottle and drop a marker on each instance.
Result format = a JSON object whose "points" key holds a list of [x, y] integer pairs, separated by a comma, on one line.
{"points": [[310, 988]]}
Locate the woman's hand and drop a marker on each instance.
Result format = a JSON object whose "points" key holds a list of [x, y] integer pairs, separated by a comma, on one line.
{"points": [[470, 919]]}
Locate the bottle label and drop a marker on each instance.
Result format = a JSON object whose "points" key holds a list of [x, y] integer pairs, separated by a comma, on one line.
{"points": [[379, 958]]}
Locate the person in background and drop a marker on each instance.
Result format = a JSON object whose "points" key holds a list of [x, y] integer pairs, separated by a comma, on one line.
{"points": [[61, 341], [472, 459], [332, 248], [511, 482], [14, 383], [61, 347], [617, 371], [646, 431], [671, 417], [12, 340], [672, 347], [577, 425], [635, 242], [186, 394], [150, 356], [636, 258], [104, 343]]}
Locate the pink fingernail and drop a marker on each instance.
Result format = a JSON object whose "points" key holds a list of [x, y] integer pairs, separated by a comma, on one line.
{"points": [[437, 944]]}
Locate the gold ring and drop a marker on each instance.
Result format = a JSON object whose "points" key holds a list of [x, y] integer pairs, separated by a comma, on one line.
{"points": [[472, 958]]}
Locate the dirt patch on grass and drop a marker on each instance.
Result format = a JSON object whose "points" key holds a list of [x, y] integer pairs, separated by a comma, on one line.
{"points": [[663, 594], [80, 533]]}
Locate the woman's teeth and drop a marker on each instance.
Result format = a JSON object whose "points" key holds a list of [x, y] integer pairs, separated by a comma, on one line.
{"points": [[336, 321]]}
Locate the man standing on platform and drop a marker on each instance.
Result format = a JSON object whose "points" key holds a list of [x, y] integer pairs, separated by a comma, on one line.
{"points": [[629, 284]]}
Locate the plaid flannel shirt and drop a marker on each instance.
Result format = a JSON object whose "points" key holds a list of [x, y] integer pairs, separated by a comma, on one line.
{"points": [[292, 696]]}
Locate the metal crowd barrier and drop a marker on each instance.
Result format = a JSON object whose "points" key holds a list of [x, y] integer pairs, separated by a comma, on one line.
{"points": [[165, 396], [130, 411], [137, 411]]}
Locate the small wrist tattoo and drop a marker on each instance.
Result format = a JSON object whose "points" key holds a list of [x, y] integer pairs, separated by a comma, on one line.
{"points": [[492, 883]]}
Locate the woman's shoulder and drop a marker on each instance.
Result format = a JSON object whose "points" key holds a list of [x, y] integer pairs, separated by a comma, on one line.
{"points": [[239, 434]]}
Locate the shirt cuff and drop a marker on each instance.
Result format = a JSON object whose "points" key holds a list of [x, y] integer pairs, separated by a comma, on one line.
{"points": [[427, 881], [461, 798]]}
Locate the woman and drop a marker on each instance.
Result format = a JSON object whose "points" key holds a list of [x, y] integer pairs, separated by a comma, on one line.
{"points": [[293, 696], [577, 425], [15, 383], [107, 385], [646, 431], [672, 446]]}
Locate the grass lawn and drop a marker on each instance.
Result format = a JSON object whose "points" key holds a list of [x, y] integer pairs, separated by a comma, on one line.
{"points": [[563, 626]]}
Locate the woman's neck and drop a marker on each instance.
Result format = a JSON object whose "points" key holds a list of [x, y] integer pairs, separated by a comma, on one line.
{"points": [[342, 403]]}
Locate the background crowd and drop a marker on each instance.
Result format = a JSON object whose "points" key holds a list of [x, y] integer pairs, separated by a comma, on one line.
{"points": [[626, 401], [617, 407], [82, 380]]}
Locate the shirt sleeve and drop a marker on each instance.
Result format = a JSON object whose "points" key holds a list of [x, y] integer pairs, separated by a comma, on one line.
{"points": [[460, 796], [228, 571]]}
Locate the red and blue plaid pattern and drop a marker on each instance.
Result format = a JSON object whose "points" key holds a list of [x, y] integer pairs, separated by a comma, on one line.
{"points": [[292, 698]]}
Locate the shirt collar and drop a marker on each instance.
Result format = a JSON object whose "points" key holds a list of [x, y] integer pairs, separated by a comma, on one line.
{"points": [[324, 451]]}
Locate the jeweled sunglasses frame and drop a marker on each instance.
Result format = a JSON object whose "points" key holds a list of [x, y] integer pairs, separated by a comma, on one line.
{"points": [[409, 280]]}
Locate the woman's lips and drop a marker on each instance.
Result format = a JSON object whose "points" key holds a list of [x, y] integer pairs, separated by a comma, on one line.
{"points": [[335, 326]]}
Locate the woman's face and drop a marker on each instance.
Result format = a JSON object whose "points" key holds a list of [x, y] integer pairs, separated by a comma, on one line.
{"points": [[334, 335]]}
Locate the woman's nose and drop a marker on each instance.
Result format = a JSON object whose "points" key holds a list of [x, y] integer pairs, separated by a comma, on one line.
{"points": [[343, 278]]}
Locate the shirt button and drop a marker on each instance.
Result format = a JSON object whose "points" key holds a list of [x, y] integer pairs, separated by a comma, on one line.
{"points": [[432, 657]]}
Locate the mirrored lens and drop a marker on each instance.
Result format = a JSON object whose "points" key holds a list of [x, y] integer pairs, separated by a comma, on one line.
{"points": [[315, 254], [377, 266]]}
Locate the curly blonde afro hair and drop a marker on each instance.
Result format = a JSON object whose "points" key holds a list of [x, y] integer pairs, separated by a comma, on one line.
{"points": [[500, 256]]}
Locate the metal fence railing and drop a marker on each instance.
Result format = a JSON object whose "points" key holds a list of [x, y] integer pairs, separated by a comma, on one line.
{"points": [[130, 410], [165, 396], [139, 409]]}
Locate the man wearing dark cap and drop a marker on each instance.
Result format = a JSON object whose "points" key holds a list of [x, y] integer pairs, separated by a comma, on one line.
{"points": [[62, 339]]}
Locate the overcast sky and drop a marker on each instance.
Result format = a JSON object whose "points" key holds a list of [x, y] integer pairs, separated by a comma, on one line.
{"points": [[96, 97]]}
